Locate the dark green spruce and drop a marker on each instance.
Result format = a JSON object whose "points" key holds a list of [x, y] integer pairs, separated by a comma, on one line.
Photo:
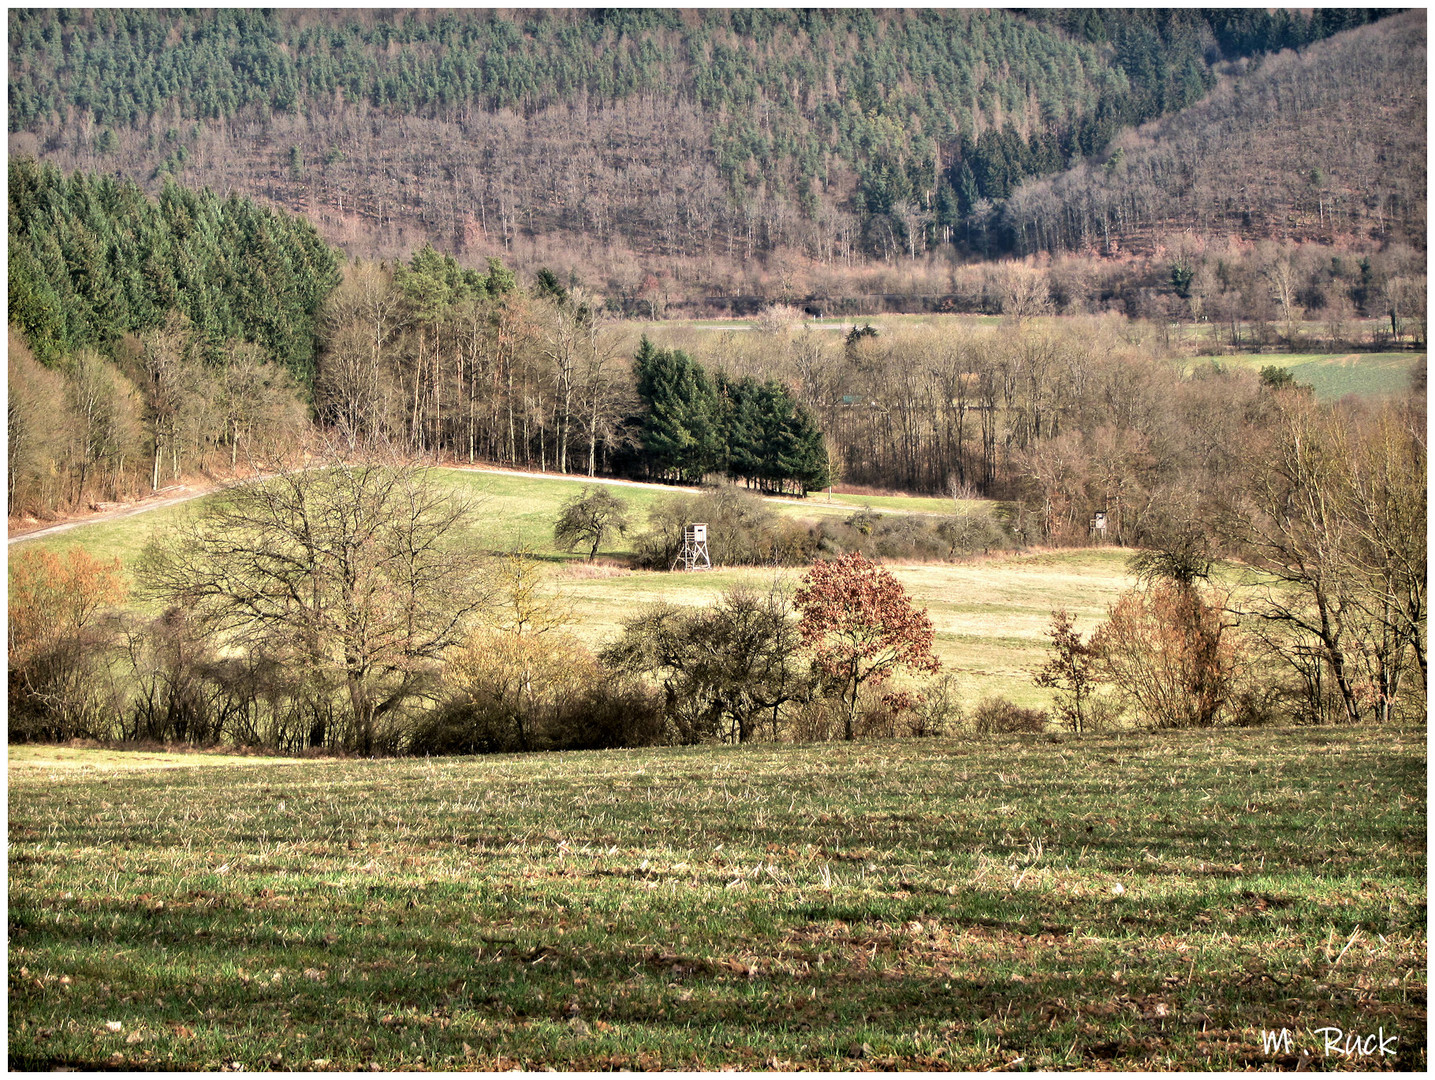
{"points": [[93, 258]]}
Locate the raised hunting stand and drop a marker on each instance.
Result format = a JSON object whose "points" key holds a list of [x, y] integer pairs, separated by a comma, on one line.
{"points": [[694, 555]]}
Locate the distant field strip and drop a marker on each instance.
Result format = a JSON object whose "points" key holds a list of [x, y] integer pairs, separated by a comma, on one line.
{"points": [[1333, 376], [25, 758]]}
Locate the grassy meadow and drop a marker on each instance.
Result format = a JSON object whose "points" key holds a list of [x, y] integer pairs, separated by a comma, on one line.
{"points": [[1131, 902], [1122, 900], [990, 613], [515, 510], [1334, 376]]}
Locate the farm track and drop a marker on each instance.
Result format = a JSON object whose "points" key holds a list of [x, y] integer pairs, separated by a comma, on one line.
{"points": [[193, 492], [109, 515]]}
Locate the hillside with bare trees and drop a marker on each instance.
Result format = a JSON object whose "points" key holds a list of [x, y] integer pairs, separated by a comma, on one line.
{"points": [[1322, 145], [697, 158]]}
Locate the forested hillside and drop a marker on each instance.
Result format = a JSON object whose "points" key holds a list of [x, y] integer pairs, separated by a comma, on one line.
{"points": [[151, 338], [1324, 145], [656, 152]]}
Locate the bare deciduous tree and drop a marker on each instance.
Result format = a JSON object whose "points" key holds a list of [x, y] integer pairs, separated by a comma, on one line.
{"points": [[723, 668], [1334, 522], [1070, 671], [1023, 291], [345, 569], [38, 420], [103, 406], [590, 518], [1171, 652]]}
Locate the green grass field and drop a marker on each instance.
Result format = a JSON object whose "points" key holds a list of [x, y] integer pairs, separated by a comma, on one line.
{"points": [[1334, 376], [1132, 902], [514, 511], [899, 504]]}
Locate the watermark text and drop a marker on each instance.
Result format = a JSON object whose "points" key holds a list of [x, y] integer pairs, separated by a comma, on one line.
{"points": [[1331, 1041]]}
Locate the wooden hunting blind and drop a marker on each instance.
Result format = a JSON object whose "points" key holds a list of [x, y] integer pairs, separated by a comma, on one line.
{"points": [[694, 553]]}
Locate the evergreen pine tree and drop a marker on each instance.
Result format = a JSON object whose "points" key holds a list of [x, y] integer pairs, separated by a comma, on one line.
{"points": [[679, 429]]}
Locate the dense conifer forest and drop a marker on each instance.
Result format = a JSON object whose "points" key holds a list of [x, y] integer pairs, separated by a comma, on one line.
{"points": [[679, 154], [286, 217], [93, 258]]}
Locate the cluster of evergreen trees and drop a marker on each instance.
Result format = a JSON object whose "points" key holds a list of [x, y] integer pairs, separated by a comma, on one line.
{"points": [[154, 328], [93, 258], [692, 426]]}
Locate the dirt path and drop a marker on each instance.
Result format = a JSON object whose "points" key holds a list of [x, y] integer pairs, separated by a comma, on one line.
{"points": [[577, 478], [189, 491], [841, 327], [119, 512]]}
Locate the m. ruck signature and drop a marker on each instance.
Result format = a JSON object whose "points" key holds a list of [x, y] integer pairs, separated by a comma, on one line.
{"points": [[1333, 1041]]}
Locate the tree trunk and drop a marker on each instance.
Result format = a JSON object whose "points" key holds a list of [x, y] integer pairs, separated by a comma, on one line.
{"points": [[363, 713]]}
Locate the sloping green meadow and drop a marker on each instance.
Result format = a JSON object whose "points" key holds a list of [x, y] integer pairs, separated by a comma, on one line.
{"points": [[990, 613], [1130, 902], [513, 510]]}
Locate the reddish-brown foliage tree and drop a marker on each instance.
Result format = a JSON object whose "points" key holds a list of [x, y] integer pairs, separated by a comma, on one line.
{"points": [[861, 627], [1171, 653], [54, 597]]}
